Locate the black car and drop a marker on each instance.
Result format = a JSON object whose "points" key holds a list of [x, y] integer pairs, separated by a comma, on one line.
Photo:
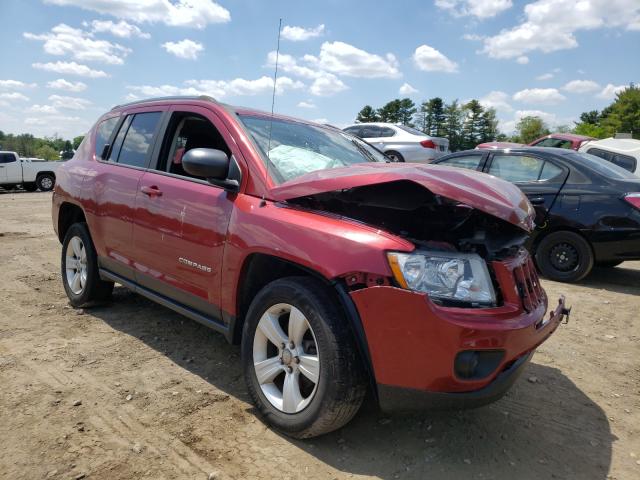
{"points": [[588, 210]]}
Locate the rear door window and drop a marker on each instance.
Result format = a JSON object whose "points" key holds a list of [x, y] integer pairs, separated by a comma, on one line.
{"points": [[138, 139], [103, 134], [470, 162], [523, 168]]}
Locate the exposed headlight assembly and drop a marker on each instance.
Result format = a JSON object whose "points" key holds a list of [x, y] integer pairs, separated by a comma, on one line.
{"points": [[461, 277]]}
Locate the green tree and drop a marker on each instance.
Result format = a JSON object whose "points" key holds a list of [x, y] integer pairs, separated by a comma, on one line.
{"points": [[430, 118], [47, 152], [472, 125], [453, 118], [592, 117], [488, 126], [624, 114], [592, 130], [406, 111], [531, 127], [78, 140], [390, 112], [67, 151], [367, 114]]}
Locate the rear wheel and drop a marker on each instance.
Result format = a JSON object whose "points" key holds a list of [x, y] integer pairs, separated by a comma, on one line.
{"points": [[394, 156], [79, 264], [299, 358], [46, 182], [564, 257]]}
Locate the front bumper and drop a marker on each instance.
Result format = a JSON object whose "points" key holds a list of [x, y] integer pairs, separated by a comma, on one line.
{"points": [[413, 343]]}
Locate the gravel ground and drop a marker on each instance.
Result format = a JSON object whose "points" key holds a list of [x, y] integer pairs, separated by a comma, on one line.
{"points": [[132, 390]]}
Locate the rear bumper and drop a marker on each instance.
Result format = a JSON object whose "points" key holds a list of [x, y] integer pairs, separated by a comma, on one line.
{"points": [[616, 245], [392, 398]]}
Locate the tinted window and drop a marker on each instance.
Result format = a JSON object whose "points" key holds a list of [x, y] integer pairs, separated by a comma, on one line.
{"points": [[370, 132], [139, 139], [7, 157], [549, 171], [387, 132], [607, 169], [554, 142], [624, 161], [353, 131], [103, 134], [470, 161], [516, 168], [117, 142]]}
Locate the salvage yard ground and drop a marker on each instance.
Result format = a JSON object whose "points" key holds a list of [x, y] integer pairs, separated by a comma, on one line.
{"points": [[133, 390]]}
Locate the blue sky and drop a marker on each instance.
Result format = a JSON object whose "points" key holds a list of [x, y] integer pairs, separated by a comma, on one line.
{"points": [[67, 61]]}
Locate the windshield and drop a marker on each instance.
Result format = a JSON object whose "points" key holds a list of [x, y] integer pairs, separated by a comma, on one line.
{"points": [[299, 148], [603, 167]]}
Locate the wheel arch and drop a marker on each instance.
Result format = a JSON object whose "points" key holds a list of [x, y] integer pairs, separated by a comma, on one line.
{"points": [[560, 228], [69, 213], [46, 172], [260, 269]]}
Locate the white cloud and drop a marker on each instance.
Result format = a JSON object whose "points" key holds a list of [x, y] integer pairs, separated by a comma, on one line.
{"points": [[181, 13], [46, 109], [344, 59], [62, 84], [477, 8], [120, 29], [299, 34], [69, 103], [219, 88], [543, 96], [431, 60], [70, 68], [581, 86], [57, 119], [14, 96], [549, 118], [184, 49], [327, 85], [308, 104], [609, 92], [545, 76], [546, 27], [498, 100], [407, 89], [286, 63], [65, 40], [15, 85], [522, 59], [472, 37]]}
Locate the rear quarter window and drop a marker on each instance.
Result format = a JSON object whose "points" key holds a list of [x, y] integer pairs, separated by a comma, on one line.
{"points": [[103, 134]]}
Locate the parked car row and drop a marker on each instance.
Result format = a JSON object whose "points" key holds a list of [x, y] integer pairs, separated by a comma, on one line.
{"points": [[28, 173], [570, 141]]}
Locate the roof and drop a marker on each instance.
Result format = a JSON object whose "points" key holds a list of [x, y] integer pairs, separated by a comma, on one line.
{"points": [[166, 99], [620, 145], [566, 136]]}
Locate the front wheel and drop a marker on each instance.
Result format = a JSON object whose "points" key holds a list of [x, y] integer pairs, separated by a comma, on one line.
{"points": [[79, 264], [394, 156], [299, 358], [564, 257]]}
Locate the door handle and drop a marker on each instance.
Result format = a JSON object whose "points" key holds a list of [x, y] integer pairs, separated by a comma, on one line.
{"points": [[537, 201], [152, 191]]}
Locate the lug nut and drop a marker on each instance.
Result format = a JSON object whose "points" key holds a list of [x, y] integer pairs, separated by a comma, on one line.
{"points": [[292, 345], [282, 345], [289, 369], [297, 359]]}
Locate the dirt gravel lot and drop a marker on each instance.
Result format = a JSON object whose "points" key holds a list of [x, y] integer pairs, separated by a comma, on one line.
{"points": [[132, 390]]}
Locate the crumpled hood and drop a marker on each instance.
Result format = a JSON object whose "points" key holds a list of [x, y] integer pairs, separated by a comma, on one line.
{"points": [[484, 192]]}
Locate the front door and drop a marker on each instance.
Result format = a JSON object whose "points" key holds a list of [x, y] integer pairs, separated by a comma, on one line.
{"points": [[181, 221]]}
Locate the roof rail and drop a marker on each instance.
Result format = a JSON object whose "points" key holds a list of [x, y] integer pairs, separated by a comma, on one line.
{"points": [[164, 99]]}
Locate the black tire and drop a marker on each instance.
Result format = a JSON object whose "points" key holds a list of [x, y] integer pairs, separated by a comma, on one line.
{"points": [[341, 387], [95, 290], [609, 264], [46, 182], [394, 156], [30, 187], [564, 257]]}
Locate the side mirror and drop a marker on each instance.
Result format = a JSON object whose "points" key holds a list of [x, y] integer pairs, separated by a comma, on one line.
{"points": [[206, 162]]}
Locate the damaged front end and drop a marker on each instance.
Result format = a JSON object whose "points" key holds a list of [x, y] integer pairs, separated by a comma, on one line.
{"points": [[459, 247]]}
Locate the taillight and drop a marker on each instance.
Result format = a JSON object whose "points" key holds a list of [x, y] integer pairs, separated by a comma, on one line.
{"points": [[633, 199], [428, 144]]}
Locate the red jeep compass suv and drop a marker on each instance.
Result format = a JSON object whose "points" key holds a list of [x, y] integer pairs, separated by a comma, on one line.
{"points": [[336, 270]]}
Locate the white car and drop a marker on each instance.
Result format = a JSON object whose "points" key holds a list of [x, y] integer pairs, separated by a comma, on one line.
{"points": [[399, 142], [30, 174], [624, 152]]}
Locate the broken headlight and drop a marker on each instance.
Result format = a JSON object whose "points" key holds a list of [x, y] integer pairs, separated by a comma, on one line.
{"points": [[461, 277]]}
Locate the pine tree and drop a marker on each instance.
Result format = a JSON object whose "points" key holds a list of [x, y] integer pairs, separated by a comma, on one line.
{"points": [[453, 116], [367, 114]]}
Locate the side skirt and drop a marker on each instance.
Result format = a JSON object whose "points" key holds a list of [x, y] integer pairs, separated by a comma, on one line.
{"points": [[213, 323]]}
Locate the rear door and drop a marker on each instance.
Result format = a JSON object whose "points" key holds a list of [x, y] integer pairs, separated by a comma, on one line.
{"points": [[539, 178], [115, 183], [181, 220]]}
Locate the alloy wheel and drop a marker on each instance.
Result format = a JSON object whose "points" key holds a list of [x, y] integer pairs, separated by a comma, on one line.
{"points": [[76, 265], [285, 358]]}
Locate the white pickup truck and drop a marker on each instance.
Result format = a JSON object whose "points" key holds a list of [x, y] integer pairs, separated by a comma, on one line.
{"points": [[30, 174]]}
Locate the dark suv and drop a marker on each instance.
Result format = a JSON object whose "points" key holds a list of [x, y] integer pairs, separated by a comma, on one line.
{"points": [[335, 270]]}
